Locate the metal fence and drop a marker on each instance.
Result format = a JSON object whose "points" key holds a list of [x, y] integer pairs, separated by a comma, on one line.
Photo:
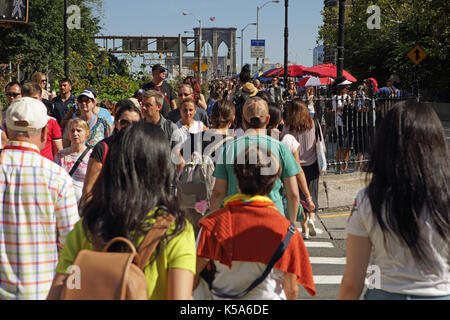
{"points": [[349, 128]]}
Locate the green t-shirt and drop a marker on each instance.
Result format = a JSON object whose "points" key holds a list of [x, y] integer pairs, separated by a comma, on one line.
{"points": [[179, 253], [224, 167]]}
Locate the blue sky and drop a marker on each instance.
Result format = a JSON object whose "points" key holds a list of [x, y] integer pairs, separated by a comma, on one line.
{"points": [[158, 18]]}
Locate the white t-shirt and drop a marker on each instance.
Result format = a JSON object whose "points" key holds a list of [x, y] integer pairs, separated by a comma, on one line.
{"points": [[240, 277], [339, 102], [180, 135], [399, 272], [291, 142]]}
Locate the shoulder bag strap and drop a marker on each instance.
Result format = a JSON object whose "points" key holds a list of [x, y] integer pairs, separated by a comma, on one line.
{"points": [[277, 255], [152, 238], [77, 163], [105, 153]]}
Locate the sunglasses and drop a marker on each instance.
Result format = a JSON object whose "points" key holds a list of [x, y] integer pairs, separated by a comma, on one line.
{"points": [[44, 80], [125, 122], [12, 94], [184, 94]]}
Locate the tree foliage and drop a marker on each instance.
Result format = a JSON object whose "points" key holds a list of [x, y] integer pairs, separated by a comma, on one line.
{"points": [[380, 52]]}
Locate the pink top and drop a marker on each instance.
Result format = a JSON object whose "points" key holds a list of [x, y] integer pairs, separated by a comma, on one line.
{"points": [[307, 148]]}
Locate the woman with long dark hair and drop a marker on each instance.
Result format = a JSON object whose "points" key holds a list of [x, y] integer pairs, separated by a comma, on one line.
{"points": [[403, 214], [134, 188]]}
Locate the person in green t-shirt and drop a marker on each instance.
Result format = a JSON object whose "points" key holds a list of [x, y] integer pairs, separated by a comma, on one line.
{"points": [[134, 188], [255, 117]]}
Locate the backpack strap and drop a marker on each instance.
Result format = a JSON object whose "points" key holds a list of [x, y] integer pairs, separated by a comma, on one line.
{"points": [[277, 255], [152, 238]]}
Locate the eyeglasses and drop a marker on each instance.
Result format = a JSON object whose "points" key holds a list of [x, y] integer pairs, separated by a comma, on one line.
{"points": [[12, 94]]}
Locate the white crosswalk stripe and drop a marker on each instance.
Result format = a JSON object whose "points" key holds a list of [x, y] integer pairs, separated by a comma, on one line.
{"points": [[328, 268]]}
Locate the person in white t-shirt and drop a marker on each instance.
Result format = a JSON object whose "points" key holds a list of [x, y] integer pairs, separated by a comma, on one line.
{"points": [[402, 217]]}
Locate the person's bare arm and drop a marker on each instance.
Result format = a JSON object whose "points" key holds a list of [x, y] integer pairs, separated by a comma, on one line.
{"points": [[173, 103], [290, 286], [180, 284], [201, 264], [218, 194], [303, 184], [202, 102], [92, 172], [293, 197], [358, 255], [58, 145], [4, 139]]}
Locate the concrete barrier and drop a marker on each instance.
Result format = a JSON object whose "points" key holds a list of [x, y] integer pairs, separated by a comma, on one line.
{"points": [[339, 190]]}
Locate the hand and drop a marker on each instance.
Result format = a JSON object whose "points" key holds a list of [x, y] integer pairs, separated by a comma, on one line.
{"points": [[311, 206]]}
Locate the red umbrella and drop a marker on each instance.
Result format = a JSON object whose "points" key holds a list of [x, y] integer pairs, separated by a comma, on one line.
{"points": [[271, 73], [293, 71], [328, 70]]}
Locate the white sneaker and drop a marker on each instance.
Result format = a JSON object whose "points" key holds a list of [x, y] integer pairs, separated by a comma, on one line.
{"points": [[311, 227], [305, 235]]}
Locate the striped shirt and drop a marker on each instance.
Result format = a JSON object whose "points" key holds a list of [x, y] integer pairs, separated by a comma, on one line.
{"points": [[37, 210]]}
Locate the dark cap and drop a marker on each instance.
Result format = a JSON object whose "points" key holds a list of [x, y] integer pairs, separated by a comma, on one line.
{"points": [[158, 67]]}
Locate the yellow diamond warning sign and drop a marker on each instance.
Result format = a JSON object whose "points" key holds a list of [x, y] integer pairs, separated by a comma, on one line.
{"points": [[417, 54]]}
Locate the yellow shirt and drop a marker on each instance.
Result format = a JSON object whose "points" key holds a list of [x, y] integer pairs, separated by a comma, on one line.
{"points": [[179, 253]]}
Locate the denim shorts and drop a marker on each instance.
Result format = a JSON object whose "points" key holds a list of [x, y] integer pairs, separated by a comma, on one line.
{"points": [[378, 294]]}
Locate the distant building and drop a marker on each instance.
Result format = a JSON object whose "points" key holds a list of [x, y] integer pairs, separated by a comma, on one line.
{"points": [[318, 55]]}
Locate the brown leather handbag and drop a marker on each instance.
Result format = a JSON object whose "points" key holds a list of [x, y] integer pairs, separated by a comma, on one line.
{"points": [[115, 275]]}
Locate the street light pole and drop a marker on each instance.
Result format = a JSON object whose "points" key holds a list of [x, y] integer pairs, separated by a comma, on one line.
{"points": [[199, 45], [340, 45], [257, 24], [286, 39], [242, 42]]}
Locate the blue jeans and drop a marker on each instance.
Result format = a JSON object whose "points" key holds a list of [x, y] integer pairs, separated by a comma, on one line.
{"points": [[378, 294]]}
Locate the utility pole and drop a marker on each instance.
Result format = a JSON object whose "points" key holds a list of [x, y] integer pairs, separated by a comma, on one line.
{"points": [[286, 40], [340, 45], [66, 42]]}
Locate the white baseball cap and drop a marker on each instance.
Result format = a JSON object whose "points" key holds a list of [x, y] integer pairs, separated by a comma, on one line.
{"points": [[26, 114]]}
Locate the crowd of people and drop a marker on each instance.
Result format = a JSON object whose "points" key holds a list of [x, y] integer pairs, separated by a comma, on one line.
{"points": [[76, 173]]}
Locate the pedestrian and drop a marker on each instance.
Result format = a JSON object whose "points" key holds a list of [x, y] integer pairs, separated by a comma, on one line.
{"points": [[98, 126], [402, 217], [134, 189], [54, 142], [41, 79], [300, 125], [186, 91], [241, 238], [74, 159], [198, 95], [64, 101], [309, 100], [341, 108], [152, 102], [187, 124], [158, 83], [255, 115], [126, 113], [275, 92], [38, 205]]}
